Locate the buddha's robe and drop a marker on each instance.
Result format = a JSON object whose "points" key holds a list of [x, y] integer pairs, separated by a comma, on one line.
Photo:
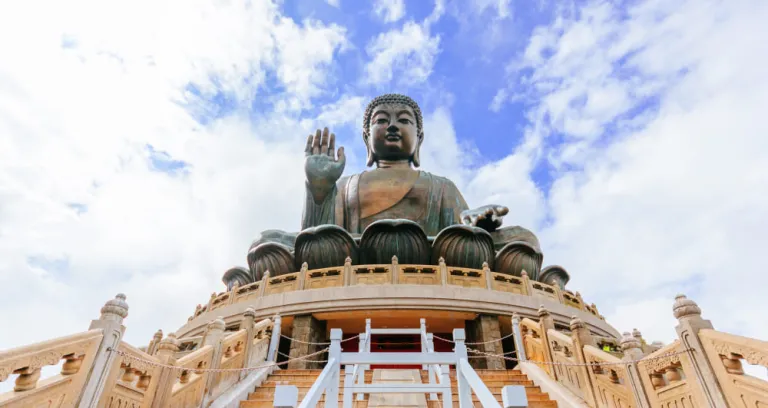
{"points": [[357, 201]]}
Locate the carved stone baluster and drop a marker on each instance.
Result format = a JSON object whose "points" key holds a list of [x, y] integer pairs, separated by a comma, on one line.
{"points": [[71, 365], [27, 379], [732, 363]]}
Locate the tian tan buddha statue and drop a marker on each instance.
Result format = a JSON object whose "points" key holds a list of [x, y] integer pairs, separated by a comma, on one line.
{"points": [[393, 209]]}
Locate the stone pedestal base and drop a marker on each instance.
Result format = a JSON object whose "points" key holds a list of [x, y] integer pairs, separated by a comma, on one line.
{"points": [[485, 328], [306, 329]]}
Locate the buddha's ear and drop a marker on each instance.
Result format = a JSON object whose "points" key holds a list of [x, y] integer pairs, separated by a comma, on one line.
{"points": [[369, 161], [415, 158]]}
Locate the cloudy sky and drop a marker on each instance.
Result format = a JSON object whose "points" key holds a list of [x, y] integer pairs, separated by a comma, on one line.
{"points": [[145, 143]]}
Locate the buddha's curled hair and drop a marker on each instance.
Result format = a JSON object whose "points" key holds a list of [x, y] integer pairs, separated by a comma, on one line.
{"points": [[391, 99]]}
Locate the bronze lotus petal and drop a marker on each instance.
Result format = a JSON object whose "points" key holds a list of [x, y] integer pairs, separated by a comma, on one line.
{"points": [[463, 246], [519, 256], [556, 274], [324, 246], [403, 238], [237, 276], [504, 235], [270, 256]]}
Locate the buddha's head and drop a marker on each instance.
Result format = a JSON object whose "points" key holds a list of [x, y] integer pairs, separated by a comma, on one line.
{"points": [[392, 129]]}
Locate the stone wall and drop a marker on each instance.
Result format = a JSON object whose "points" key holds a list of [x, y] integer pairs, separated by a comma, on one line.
{"points": [[307, 329], [485, 328]]}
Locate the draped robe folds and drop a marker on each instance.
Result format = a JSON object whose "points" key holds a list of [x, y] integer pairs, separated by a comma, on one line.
{"points": [[357, 201]]}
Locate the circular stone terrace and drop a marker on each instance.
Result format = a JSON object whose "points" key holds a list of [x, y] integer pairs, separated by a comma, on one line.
{"points": [[447, 296]]}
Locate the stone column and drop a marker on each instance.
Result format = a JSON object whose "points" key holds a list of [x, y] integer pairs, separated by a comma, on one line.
{"points": [[111, 324], [306, 329], [166, 350], [214, 334], [483, 329], [249, 321], [581, 337], [152, 348], [633, 351], [688, 315]]}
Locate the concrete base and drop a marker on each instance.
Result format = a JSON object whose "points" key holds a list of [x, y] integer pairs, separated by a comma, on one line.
{"points": [[381, 376]]}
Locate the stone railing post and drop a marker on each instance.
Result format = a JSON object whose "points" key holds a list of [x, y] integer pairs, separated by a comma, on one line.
{"points": [[274, 342], [348, 271], [156, 339], [688, 315], [518, 337], [527, 284], [111, 324], [547, 322], [558, 292], [395, 270], [166, 351], [249, 321], [633, 351], [214, 334], [443, 268], [581, 337], [264, 282], [488, 277], [303, 275]]}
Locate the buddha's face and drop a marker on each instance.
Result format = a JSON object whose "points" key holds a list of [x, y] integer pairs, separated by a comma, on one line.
{"points": [[393, 132]]}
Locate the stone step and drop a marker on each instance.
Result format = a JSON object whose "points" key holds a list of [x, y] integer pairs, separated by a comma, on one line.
{"points": [[308, 382], [267, 392]]}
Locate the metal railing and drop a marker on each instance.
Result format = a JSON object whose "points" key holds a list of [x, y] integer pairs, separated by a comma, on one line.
{"points": [[356, 363]]}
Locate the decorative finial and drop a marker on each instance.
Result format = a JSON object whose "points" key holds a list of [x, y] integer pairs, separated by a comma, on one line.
{"points": [[576, 323], [636, 334], [685, 307], [115, 309], [515, 317], [543, 312], [441, 261], [217, 324], [524, 274], [485, 266], [170, 343], [394, 259], [347, 261], [158, 334], [250, 312], [628, 341]]}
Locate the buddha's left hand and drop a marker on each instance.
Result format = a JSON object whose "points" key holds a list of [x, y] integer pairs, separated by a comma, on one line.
{"points": [[487, 217]]}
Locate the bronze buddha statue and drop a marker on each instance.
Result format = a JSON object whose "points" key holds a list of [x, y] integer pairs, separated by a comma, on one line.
{"points": [[393, 209]]}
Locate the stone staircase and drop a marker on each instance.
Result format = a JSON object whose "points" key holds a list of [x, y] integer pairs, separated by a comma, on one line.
{"points": [[303, 379]]}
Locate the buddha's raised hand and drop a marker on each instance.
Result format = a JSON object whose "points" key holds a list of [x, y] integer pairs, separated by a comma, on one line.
{"points": [[487, 217], [323, 165]]}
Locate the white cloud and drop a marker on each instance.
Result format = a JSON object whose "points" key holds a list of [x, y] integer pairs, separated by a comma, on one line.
{"points": [[406, 55], [672, 200], [389, 10], [83, 214], [334, 3]]}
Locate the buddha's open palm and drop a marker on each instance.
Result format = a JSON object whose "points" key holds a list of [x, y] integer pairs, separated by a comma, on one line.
{"points": [[487, 217], [323, 165]]}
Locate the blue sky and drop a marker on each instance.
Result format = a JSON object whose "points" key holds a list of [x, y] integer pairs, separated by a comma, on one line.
{"points": [[145, 144]]}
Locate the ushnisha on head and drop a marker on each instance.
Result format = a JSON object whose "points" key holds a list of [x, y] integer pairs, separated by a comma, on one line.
{"points": [[393, 129]]}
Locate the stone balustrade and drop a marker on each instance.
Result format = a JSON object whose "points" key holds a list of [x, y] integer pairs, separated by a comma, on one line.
{"points": [[99, 369], [395, 274], [703, 368]]}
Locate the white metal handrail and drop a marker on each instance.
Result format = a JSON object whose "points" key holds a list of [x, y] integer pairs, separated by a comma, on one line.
{"points": [[355, 365]]}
